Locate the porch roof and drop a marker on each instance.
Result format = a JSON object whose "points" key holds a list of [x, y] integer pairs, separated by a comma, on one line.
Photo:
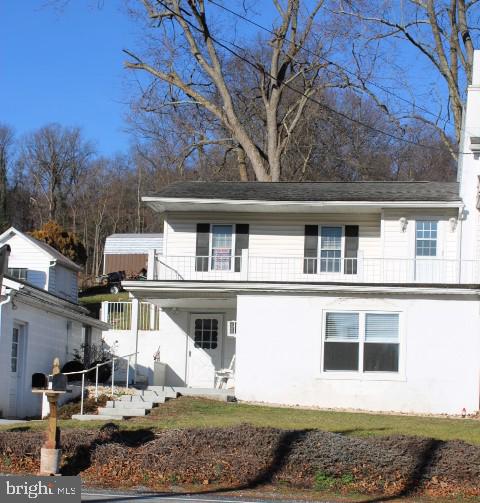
{"points": [[229, 290]]}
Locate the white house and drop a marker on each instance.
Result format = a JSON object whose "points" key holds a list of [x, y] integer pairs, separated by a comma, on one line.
{"points": [[40, 265], [39, 320], [361, 295]]}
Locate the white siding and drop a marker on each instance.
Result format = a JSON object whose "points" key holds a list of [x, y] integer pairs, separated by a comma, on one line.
{"points": [[47, 337], [398, 244], [26, 255], [270, 235]]}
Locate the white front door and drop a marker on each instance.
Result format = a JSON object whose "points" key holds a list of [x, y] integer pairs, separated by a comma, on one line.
{"points": [[428, 267], [204, 351], [16, 363]]}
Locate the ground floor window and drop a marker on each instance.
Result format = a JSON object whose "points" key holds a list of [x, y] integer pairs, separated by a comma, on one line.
{"points": [[206, 333], [361, 342]]}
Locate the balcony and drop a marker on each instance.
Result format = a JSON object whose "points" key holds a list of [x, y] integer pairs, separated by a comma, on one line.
{"points": [[313, 270]]}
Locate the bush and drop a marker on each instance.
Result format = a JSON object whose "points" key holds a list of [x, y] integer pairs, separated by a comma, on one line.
{"points": [[90, 406], [248, 456]]}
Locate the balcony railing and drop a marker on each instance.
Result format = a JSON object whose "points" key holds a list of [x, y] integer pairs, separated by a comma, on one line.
{"points": [[315, 270]]}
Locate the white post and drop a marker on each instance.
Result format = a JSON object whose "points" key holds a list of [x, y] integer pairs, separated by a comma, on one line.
{"points": [[113, 373], [81, 397], [151, 264], [244, 265], [134, 328], [96, 383], [104, 311], [128, 371]]}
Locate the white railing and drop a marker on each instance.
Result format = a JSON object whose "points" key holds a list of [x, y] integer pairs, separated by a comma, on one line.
{"points": [[317, 270], [83, 373], [120, 315]]}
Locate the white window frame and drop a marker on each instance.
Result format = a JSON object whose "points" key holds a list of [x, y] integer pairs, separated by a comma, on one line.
{"points": [[360, 374], [15, 358], [210, 248], [18, 269], [342, 249], [437, 247]]}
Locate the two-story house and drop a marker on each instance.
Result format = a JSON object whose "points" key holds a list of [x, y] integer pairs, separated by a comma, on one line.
{"points": [[362, 295], [40, 319]]}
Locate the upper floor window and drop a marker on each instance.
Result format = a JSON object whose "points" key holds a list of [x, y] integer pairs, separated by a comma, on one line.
{"points": [[18, 273], [426, 238], [364, 342], [330, 249], [222, 247]]}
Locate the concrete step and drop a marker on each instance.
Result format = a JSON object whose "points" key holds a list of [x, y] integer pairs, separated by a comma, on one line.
{"points": [[144, 398], [119, 404], [224, 395], [121, 412], [167, 391], [95, 417]]}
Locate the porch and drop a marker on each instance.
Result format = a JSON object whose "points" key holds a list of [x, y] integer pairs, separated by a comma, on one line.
{"points": [[184, 343]]}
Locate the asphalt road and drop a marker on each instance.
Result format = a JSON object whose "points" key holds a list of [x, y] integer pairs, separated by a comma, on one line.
{"points": [[126, 497]]}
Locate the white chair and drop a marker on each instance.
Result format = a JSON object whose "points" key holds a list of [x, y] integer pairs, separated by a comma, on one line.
{"points": [[223, 375]]}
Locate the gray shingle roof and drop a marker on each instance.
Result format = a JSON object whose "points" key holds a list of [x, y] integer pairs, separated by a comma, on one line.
{"points": [[314, 191]]}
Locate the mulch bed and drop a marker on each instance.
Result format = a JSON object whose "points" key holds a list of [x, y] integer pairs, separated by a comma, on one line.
{"points": [[248, 457]]}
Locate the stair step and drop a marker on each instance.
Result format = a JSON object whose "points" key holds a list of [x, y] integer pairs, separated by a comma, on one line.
{"points": [[121, 412], [95, 417], [117, 404], [139, 399]]}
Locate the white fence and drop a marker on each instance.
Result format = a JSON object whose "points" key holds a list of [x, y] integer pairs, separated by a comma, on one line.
{"points": [[300, 269], [121, 315]]}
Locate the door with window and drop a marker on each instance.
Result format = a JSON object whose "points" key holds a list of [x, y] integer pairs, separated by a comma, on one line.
{"points": [[427, 267], [16, 365], [204, 351]]}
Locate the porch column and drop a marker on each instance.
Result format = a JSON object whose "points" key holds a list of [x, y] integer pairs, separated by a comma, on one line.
{"points": [[134, 330]]}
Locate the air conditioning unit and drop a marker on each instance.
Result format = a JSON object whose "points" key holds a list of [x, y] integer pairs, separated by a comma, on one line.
{"points": [[475, 144], [232, 328]]}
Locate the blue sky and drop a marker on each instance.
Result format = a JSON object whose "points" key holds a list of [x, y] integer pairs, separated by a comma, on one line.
{"points": [[66, 66]]}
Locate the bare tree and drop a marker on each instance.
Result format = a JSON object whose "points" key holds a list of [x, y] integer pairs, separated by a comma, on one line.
{"points": [[440, 31], [189, 59], [53, 157], [6, 145]]}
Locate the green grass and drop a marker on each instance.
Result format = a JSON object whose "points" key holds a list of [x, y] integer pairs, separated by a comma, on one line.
{"points": [[197, 412], [95, 299]]}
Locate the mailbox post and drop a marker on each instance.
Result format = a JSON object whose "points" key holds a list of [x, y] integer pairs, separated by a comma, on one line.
{"points": [[51, 451]]}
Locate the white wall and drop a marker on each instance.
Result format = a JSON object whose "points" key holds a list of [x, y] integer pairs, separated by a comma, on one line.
{"points": [[440, 355], [46, 337], [26, 255]]}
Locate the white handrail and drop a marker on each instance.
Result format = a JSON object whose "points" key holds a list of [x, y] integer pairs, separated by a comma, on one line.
{"points": [[96, 367]]}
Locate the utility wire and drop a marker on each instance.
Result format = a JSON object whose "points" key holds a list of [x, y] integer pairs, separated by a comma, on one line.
{"points": [[330, 62], [313, 100]]}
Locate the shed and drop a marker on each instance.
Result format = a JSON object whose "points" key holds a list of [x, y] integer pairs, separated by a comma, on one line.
{"points": [[129, 252]]}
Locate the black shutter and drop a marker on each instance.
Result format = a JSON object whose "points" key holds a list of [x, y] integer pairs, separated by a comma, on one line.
{"points": [[203, 247], [311, 249], [241, 243], [351, 249]]}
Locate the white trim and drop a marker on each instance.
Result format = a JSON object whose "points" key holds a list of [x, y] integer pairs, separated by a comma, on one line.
{"points": [[164, 204], [222, 287], [210, 249]]}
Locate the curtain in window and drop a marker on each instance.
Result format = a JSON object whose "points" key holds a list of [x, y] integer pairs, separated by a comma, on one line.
{"points": [[381, 350], [341, 347]]}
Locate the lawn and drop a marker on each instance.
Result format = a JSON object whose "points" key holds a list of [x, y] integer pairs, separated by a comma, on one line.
{"points": [[196, 412], [95, 299]]}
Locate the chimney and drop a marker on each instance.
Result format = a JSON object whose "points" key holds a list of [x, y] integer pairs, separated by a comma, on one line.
{"points": [[468, 174]]}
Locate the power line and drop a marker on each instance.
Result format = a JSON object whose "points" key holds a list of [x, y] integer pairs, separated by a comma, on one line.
{"points": [[320, 104], [330, 62]]}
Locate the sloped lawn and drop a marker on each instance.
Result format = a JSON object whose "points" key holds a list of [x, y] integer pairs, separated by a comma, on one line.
{"points": [[188, 412]]}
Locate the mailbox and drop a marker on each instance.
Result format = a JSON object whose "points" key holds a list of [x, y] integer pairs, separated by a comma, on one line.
{"points": [[39, 381], [59, 382]]}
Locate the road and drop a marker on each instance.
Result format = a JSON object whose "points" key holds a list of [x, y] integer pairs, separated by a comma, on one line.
{"points": [[127, 497]]}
